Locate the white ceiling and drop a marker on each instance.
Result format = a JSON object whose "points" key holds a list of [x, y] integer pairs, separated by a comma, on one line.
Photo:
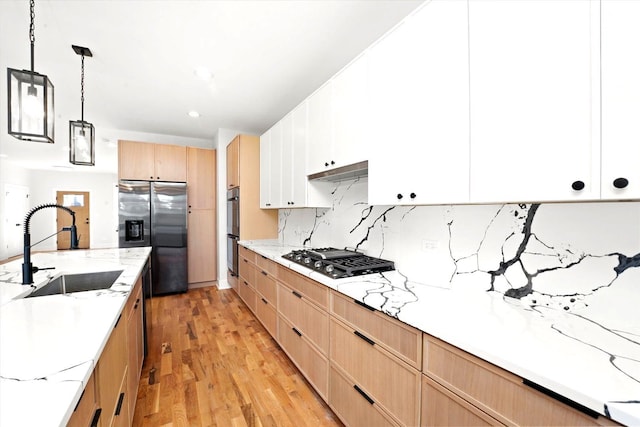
{"points": [[265, 56]]}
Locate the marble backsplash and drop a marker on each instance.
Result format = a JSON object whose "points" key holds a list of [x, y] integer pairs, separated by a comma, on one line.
{"points": [[552, 256]]}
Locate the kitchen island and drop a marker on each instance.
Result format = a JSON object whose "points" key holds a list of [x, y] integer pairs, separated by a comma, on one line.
{"points": [[49, 345], [596, 371]]}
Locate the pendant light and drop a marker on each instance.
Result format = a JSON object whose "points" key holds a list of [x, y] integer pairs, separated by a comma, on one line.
{"points": [[81, 133], [30, 95]]}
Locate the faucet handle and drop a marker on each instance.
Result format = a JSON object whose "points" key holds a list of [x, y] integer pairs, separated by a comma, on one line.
{"points": [[36, 269]]}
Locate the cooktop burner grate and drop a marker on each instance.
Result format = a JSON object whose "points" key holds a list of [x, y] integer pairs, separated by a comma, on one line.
{"points": [[339, 263]]}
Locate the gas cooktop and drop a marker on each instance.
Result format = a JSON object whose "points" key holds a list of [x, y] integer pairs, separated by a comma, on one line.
{"points": [[339, 263]]}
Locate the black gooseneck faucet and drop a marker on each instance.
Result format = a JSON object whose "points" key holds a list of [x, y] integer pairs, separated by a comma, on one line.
{"points": [[27, 268]]}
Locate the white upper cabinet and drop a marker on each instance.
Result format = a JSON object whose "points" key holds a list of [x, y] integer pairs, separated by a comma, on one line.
{"points": [[320, 130], [534, 94], [271, 167], [419, 96], [295, 191], [620, 99]]}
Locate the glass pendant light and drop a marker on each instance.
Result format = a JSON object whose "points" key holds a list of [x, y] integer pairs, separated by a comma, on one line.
{"points": [[81, 133], [30, 94]]}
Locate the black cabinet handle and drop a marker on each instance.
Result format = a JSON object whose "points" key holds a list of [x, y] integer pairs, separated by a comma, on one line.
{"points": [[365, 338], [264, 257], [245, 282], [244, 260], [267, 204], [157, 177], [326, 164], [399, 196], [620, 182], [96, 417], [577, 185], [150, 177], [119, 407], [363, 394], [296, 294], [297, 332], [264, 300], [264, 272], [412, 195], [575, 405], [332, 162], [117, 321], [360, 303]]}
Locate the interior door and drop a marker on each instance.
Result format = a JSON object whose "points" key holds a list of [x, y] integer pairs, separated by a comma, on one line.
{"points": [[77, 201], [17, 198]]}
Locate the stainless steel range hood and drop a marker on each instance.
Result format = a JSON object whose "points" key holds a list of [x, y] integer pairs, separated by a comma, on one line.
{"points": [[355, 170]]}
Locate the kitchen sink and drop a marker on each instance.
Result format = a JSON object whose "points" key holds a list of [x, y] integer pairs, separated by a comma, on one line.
{"points": [[68, 283]]}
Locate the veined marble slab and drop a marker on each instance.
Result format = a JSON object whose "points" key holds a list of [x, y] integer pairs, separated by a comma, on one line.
{"points": [[562, 350], [49, 345]]}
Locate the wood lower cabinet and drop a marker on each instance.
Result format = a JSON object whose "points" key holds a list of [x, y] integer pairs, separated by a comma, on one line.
{"points": [[267, 315], [310, 320], [495, 391], [390, 383], [314, 291], [352, 405], [111, 374], [85, 410], [247, 293], [201, 246], [442, 407], [135, 345], [303, 353]]}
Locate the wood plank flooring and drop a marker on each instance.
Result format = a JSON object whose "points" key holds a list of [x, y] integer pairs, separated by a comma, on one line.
{"points": [[211, 363]]}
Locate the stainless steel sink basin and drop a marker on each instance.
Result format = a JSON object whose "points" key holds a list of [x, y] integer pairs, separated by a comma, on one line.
{"points": [[69, 283]]}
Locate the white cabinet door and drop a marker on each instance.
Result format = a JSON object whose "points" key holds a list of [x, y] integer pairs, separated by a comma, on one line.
{"points": [[534, 100], [351, 113], [271, 168], [287, 160], [419, 91], [298, 191], [320, 131], [620, 99], [265, 170]]}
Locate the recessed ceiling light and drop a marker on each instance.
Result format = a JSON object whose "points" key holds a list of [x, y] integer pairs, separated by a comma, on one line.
{"points": [[203, 73], [194, 114]]}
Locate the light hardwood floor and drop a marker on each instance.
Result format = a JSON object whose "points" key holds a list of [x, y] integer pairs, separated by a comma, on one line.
{"points": [[211, 363]]}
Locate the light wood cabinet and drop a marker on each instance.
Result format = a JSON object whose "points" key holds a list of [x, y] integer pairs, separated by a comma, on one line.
{"points": [[534, 100], [201, 246], [201, 178], [151, 162], [233, 163], [310, 320], [135, 345], [313, 291], [85, 410], [312, 363], [248, 294], [267, 315], [394, 336], [111, 373], [441, 407], [391, 383], [620, 35], [509, 401], [255, 223]]}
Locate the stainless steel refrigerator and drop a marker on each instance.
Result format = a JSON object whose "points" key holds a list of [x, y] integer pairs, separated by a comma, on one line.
{"points": [[155, 214]]}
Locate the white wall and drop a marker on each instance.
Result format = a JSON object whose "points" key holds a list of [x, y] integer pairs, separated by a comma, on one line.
{"points": [[10, 174]]}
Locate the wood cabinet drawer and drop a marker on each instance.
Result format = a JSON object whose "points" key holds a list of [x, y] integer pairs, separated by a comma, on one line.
{"points": [[354, 409], [247, 271], [306, 317], [509, 400], [267, 314], [267, 287], [391, 383], [441, 407], [400, 339], [266, 265], [247, 254], [313, 364], [248, 294], [316, 292], [86, 407]]}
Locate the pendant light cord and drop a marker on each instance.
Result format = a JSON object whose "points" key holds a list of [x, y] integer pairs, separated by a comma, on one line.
{"points": [[32, 36], [82, 92]]}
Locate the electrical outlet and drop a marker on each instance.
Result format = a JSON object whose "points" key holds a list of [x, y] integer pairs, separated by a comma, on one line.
{"points": [[429, 245]]}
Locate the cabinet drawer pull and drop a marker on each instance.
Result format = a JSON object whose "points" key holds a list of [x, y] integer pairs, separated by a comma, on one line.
{"points": [[79, 400], [264, 300], [297, 332], [264, 257], [360, 303], [620, 182], [577, 185], [245, 282], [264, 272], [364, 337], [363, 394], [117, 321], [244, 260], [119, 407], [556, 396], [296, 294], [96, 417]]}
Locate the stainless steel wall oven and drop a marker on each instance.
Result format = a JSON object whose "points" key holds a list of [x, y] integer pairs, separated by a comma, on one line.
{"points": [[233, 229]]}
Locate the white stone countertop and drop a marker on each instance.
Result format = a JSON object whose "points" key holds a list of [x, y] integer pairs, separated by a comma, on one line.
{"points": [[566, 354], [49, 345]]}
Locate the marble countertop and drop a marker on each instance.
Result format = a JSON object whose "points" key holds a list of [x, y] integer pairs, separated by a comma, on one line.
{"points": [[563, 353], [49, 345]]}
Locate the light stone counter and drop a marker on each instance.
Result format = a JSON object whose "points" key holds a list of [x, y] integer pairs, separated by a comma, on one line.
{"points": [[49, 345], [568, 354]]}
